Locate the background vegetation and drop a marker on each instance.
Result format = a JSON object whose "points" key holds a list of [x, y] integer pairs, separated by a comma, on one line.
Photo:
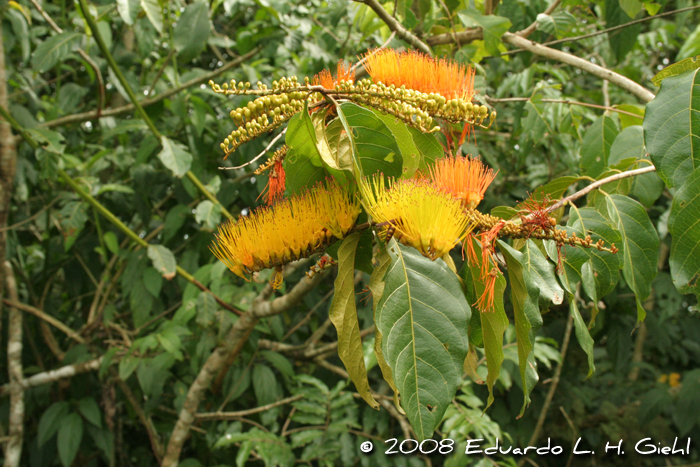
{"points": [[111, 363]]}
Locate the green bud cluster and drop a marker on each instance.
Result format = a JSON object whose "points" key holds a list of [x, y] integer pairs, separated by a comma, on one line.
{"points": [[274, 106], [264, 113]]}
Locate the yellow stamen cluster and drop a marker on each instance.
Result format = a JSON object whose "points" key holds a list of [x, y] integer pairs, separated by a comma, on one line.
{"points": [[464, 177], [290, 230], [419, 214]]}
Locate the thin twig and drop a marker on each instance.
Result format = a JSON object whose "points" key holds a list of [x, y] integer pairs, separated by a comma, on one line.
{"points": [[264, 151], [146, 421], [31, 218], [599, 183], [562, 101], [608, 30], [46, 317], [396, 26], [91, 115], [208, 416]]}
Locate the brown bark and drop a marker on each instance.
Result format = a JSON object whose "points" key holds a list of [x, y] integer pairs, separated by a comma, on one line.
{"points": [[13, 450]]}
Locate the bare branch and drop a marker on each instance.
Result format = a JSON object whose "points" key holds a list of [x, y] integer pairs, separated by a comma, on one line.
{"points": [[13, 451], [563, 101], [598, 184], [243, 413], [48, 318], [462, 37], [396, 26], [596, 70], [235, 340], [145, 420], [64, 372]]}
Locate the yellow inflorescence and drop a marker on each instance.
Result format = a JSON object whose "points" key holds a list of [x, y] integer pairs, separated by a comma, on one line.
{"points": [[420, 214], [464, 177], [290, 230]]}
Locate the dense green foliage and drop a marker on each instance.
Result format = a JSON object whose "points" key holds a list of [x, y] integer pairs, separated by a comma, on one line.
{"points": [[113, 211]]}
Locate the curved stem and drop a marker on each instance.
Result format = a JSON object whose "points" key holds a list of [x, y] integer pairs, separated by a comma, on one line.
{"points": [[599, 183]]}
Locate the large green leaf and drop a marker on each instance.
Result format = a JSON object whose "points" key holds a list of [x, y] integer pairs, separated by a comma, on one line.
{"points": [[623, 40], [582, 335], [154, 12], [70, 434], [303, 165], [639, 247], [428, 146], [602, 267], [629, 144], [192, 31], [343, 315], [375, 147], [409, 152], [376, 286], [55, 49], [672, 128], [525, 283], [684, 226], [423, 318], [493, 323], [596, 145]]}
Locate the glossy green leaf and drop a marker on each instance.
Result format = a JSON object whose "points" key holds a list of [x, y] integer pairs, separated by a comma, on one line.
{"points": [[70, 434], [55, 49], [604, 266], [343, 315], [51, 420], [595, 148], [154, 12], [409, 152], [163, 260], [192, 31], [494, 27], [556, 24], [375, 147], [208, 214], [629, 120], [582, 335], [493, 323], [89, 409], [428, 146], [128, 10], [687, 64], [303, 164], [525, 285], [629, 144], [683, 226], [175, 156], [672, 128], [639, 246], [622, 41], [376, 286], [423, 318]]}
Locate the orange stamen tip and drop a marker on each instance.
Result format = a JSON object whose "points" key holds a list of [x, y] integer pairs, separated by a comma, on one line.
{"points": [[420, 72], [344, 72], [464, 177]]}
